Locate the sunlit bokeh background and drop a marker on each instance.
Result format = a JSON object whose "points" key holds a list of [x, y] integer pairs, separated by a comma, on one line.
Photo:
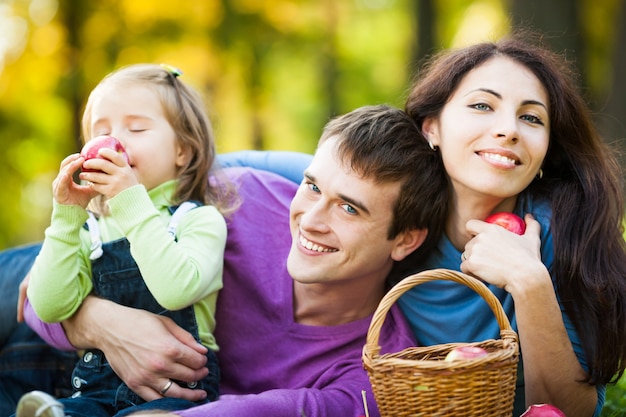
{"points": [[272, 71]]}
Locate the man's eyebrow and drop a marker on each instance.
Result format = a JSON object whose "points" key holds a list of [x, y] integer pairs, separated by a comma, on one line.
{"points": [[347, 199], [354, 203], [499, 96]]}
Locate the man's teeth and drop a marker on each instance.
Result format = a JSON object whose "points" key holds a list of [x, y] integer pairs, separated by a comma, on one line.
{"points": [[312, 246], [499, 158]]}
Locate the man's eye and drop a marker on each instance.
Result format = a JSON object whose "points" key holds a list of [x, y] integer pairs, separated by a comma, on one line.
{"points": [[349, 209], [313, 187]]}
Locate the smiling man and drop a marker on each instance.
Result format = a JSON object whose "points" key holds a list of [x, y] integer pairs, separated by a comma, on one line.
{"points": [[292, 317]]}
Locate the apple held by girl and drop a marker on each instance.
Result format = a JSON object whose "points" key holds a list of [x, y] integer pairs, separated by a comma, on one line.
{"points": [[92, 148]]}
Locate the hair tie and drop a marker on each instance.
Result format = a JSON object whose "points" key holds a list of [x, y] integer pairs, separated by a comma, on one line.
{"points": [[176, 72]]}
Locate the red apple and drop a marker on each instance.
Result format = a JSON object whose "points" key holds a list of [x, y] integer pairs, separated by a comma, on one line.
{"points": [[91, 148], [509, 221], [465, 352], [543, 410]]}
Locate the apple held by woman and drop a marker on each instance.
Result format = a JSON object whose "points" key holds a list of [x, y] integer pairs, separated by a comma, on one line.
{"points": [[92, 148], [509, 221]]}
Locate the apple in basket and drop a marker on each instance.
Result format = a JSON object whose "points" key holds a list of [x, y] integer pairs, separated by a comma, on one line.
{"points": [[509, 221], [465, 352], [91, 148], [543, 410]]}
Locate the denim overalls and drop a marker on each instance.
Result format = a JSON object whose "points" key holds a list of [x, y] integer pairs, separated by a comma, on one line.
{"points": [[116, 277]]}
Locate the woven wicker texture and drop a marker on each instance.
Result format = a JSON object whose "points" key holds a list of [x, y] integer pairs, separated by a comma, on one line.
{"points": [[418, 382]]}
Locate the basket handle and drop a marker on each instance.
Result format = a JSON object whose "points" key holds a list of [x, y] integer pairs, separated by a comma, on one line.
{"points": [[373, 334]]}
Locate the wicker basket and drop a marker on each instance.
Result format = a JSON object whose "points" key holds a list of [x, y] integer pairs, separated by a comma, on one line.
{"points": [[418, 382]]}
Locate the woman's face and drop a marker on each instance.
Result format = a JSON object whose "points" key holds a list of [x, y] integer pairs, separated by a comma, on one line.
{"points": [[493, 132]]}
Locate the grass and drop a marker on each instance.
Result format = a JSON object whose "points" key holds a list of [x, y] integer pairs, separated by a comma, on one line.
{"points": [[615, 404]]}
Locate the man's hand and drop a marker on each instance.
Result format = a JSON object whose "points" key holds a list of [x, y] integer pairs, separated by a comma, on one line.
{"points": [[144, 349], [21, 298]]}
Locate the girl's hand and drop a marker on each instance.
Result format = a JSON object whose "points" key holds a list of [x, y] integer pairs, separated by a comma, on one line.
{"points": [[503, 258], [113, 175], [64, 190]]}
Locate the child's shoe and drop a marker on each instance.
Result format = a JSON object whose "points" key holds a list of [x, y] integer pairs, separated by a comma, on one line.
{"points": [[39, 404]]}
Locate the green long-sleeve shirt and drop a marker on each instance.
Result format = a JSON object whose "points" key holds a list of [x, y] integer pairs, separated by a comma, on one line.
{"points": [[177, 273]]}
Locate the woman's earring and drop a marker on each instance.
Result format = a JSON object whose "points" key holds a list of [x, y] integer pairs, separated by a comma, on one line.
{"points": [[433, 147], [540, 173]]}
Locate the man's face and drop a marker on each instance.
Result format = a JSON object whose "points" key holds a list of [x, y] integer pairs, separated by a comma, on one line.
{"points": [[339, 223]]}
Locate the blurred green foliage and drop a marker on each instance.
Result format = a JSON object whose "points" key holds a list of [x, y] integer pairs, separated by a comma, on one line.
{"points": [[615, 404], [272, 71]]}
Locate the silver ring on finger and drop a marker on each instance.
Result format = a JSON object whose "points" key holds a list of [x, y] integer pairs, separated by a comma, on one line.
{"points": [[166, 387]]}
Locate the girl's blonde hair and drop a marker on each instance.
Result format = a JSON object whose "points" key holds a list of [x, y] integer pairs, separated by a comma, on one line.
{"points": [[185, 111]]}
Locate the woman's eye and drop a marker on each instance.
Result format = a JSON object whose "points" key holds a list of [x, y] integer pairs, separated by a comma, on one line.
{"points": [[481, 106], [349, 209], [532, 119]]}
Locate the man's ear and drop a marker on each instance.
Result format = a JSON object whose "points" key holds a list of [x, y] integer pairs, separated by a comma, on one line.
{"points": [[407, 242]]}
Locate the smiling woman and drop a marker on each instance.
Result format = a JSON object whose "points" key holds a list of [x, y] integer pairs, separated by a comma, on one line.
{"points": [[495, 128], [515, 135]]}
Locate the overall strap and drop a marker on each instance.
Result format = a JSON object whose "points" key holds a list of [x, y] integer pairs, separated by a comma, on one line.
{"points": [[94, 232], [178, 213], [94, 228]]}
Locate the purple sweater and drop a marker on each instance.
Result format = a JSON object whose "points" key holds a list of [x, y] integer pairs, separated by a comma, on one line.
{"points": [[272, 366]]}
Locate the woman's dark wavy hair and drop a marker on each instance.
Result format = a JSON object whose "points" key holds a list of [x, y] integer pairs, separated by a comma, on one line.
{"points": [[582, 179]]}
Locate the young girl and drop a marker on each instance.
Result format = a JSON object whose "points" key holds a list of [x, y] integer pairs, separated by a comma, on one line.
{"points": [[161, 222]]}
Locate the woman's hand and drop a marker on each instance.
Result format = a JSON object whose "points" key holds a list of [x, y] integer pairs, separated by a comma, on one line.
{"points": [[145, 350], [503, 258]]}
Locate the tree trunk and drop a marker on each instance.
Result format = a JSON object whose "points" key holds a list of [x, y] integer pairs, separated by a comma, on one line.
{"points": [[557, 21], [424, 17], [614, 126], [73, 14]]}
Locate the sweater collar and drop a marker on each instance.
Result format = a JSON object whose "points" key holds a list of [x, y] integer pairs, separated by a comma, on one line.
{"points": [[161, 195]]}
